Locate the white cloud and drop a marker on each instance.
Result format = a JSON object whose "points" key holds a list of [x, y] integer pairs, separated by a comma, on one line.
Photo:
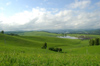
{"points": [[40, 18], [23, 17], [8, 3], [80, 4]]}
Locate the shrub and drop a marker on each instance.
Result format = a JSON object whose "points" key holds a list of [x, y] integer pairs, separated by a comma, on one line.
{"points": [[55, 49], [51, 48]]}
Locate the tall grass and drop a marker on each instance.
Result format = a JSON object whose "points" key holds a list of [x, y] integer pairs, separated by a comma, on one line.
{"points": [[21, 59]]}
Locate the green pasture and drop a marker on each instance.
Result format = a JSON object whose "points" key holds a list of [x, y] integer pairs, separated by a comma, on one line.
{"points": [[38, 33], [26, 51], [89, 35]]}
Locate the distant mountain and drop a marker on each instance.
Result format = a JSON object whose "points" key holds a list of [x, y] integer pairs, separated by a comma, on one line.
{"points": [[74, 31], [71, 31]]}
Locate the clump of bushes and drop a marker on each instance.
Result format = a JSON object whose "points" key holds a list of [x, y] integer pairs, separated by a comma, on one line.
{"points": [[95, 41], [55, 49]]}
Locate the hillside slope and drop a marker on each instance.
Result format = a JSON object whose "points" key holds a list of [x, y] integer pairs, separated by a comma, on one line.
{"points": [[34, 42], [17, 41], [38, 33], [26, 51]]}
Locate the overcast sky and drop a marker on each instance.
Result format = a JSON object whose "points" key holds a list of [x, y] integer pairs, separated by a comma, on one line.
{"points": [[49, 14]]}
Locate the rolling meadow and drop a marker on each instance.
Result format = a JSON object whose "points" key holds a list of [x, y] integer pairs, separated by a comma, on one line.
{"points": [[25, 50]]}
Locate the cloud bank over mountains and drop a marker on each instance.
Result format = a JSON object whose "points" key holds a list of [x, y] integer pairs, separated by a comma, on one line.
{"points": [[41, 18]]}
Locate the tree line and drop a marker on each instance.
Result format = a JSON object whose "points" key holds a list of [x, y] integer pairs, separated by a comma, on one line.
{"points": [[95, 41]]}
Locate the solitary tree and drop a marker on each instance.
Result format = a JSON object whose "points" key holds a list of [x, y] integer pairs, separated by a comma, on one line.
{"points": [[44, 46], [2, 32]]}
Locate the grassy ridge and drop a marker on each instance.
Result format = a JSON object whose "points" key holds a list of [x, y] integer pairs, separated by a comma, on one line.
{"points": [[33, 41], [26, 51], [38, 41], [38, 33], [52, 40], [17, 41]]}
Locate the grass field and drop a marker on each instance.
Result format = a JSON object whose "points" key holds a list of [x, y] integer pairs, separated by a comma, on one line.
{"points": [[39, 33], [26, 51], [89, 35]]}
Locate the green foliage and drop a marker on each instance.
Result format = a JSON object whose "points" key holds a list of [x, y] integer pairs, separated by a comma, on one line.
{"points": [[91, 42], [56, 49], [95, 41]]}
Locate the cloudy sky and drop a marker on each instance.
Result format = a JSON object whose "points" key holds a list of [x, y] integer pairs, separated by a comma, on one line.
{"points": [[49, 14]]}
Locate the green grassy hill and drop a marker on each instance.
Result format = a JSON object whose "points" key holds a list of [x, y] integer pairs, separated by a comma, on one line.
{"points": [[86, 50], [26, 51], [17, 41], [37, 41], [38, 33], [89, 35]]}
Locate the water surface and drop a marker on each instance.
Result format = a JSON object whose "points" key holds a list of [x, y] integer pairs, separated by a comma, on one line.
{"points": [[70, 37]]}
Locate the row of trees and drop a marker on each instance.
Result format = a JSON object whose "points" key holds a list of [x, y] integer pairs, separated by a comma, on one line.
{"points": [[95, 41]]}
